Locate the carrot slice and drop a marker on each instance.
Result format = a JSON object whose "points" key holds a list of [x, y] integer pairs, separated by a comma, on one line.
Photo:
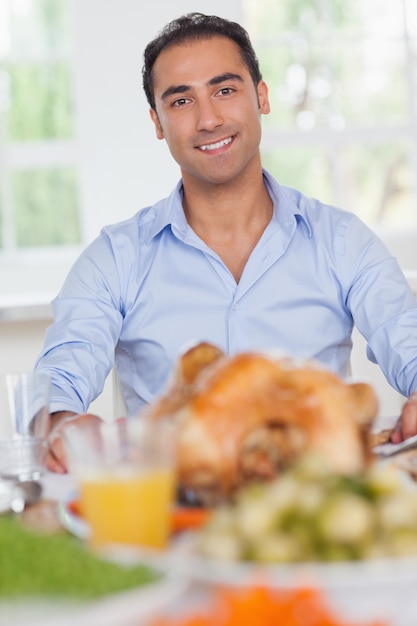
{"points": [[257, 605], [74, 507], [184, 518]]}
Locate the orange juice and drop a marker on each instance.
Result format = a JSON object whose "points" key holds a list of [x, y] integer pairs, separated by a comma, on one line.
{"points": [[129, 507]]}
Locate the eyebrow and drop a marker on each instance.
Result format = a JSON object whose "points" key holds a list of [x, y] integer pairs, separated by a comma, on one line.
{"points": [[216, 80]]}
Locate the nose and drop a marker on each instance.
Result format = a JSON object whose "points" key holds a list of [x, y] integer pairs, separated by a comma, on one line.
{"points": [[209, 116]]}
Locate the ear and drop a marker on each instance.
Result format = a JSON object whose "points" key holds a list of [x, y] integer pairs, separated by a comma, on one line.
{"points": [[158, 127], [263, 99]]}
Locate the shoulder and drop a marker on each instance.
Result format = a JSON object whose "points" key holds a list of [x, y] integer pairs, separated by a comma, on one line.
{"points": [[336, 229], [148, 222], [134, 228], [316, 214], [329, 221]]}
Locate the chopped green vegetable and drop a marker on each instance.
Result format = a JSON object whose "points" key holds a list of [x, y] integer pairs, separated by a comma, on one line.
{"points": [[42, 565], [310, 513]]}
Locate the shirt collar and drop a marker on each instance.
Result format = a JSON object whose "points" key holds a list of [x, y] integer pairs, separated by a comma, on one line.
{"points": [[287, 205], [169, 212]]}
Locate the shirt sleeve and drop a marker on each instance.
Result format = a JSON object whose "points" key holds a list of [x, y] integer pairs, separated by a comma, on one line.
{"points": [[78, 351], [383, 306]]}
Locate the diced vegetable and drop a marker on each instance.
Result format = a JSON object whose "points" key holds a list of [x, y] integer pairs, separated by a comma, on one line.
{"points": [[41, 564], [311, 514]]}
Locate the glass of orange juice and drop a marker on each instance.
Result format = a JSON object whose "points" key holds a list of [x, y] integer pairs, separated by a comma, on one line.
{"points": [[126, 476]]}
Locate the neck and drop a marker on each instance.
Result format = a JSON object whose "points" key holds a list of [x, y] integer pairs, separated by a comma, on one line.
{"points": [[229, 218], [231, 206]]}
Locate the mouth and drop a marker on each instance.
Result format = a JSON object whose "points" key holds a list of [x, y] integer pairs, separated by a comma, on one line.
{"points": [[218, 145]]}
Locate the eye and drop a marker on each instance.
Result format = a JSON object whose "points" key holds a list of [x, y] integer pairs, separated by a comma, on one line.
{"points": [[225, 91], [180, 102]]}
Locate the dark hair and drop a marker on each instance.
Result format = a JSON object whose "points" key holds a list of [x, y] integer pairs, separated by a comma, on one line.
{"points": [[197, 26]]}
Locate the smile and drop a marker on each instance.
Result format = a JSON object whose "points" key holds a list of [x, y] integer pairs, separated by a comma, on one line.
{"points": [[217, 145]]}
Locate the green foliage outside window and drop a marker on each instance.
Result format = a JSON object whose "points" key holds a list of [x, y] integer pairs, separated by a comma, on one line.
{"points": [[41, 102], [44, 201], [337, 75], [373, 181], [44, 208]]}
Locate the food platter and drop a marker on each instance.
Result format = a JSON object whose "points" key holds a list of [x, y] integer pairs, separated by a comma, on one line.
{"points": [[360, 590]]}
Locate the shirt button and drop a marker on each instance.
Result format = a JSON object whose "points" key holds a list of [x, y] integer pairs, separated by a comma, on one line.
{"points": [[235, 307]]}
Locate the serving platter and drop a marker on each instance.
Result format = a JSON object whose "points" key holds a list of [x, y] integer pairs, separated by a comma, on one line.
{"points": [[359, 590]]}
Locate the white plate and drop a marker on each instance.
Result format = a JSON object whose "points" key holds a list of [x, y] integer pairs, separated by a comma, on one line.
{"points": [[127, 608], [346, 575], [71, 522], [5, 496]]}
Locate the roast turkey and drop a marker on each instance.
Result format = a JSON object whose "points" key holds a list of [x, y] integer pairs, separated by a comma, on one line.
{"points": [[249, 416]]}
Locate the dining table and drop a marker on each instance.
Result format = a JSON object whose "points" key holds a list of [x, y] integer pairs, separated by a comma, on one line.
{"points": [[387, 597]]}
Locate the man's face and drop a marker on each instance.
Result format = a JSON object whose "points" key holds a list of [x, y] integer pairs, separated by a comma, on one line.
{"points": [[208, 110]]}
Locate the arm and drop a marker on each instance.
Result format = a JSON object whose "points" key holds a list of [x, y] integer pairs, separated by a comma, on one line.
{"points": [[79, 346], [383, 308]]}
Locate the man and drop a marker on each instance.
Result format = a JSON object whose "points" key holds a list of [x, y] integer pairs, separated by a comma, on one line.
{"points": [[231, 257]]}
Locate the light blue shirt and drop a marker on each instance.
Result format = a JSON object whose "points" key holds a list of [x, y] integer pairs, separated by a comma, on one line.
{"points": [[149, 287]]}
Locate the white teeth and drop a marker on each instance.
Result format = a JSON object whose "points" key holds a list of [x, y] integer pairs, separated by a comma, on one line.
{"points": [[215, 146]]}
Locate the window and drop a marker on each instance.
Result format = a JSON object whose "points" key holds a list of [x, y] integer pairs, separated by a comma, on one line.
{"points": [[343, 86], [75, 155], [39, 205]]}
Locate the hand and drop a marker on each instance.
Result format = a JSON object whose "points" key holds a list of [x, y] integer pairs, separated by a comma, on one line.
{"points": [[406, 425], [56, 460]]}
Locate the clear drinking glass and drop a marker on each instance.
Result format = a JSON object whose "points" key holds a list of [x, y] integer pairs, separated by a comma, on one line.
{"points": [[24, 424], [125, 472]]}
